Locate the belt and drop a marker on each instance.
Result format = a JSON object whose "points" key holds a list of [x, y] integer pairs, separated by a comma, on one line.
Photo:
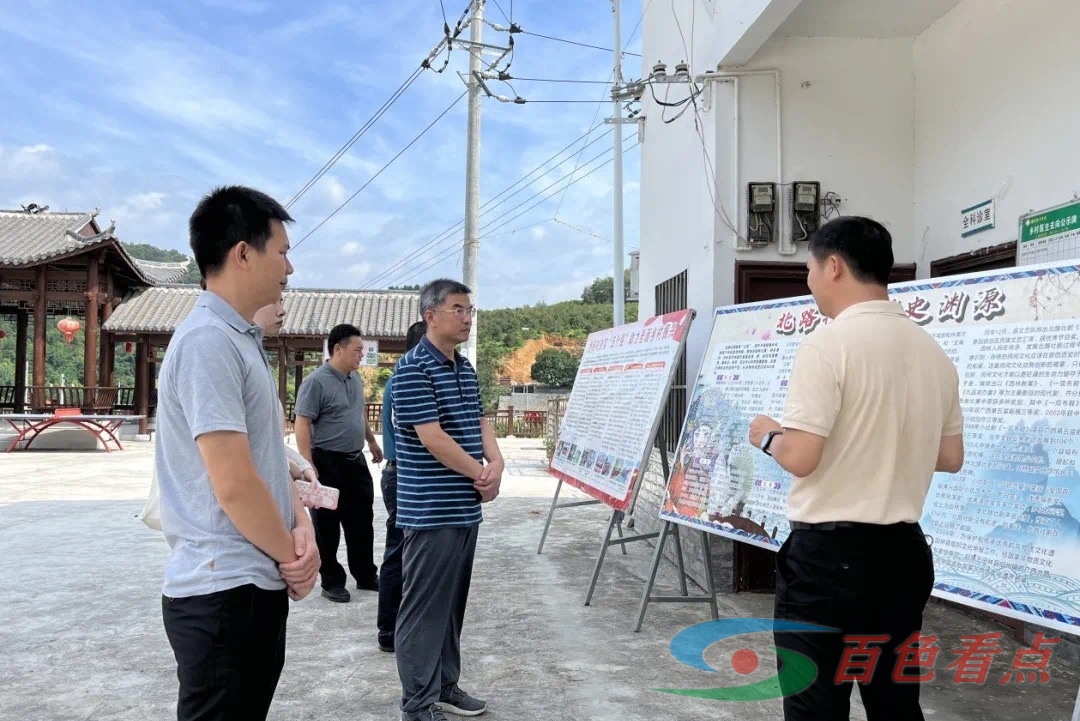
{"points": [[841, 525], [351, 455]]}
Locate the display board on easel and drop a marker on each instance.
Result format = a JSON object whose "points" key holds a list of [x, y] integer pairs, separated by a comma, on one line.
{"points": [[1005, 530], [615, 406], [613, 416]]}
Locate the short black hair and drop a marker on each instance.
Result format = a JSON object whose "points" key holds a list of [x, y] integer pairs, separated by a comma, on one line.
{"points": [[863, 243], [227, 216], [416, 332], [341, 333]]}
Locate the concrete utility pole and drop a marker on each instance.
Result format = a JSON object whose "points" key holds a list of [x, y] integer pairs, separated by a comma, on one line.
{"points": [[472, 171], [618, 292]]}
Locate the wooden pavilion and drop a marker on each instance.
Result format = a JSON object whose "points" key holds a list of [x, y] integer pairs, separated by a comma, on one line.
{"points": [[66, 265], [148, 316]]}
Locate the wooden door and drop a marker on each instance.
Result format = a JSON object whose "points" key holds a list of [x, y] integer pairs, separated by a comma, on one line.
{"points": [[994, 258]]}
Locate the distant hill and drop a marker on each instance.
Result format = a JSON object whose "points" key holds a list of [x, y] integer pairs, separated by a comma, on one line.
{"points": [[501, 331]]}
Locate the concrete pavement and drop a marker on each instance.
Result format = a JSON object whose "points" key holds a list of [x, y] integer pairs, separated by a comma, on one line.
{"points": [[82, 636]]}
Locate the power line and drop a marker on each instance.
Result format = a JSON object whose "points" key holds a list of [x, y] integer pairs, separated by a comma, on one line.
{"points": [[573, 182], [550, 80], [523, 101], [356, 136], [577, 161], [573, 42], [436, 242], [451, 229], [600, 103], [384, 167], [448, 37], [446, 254], [505, 16], [414, 271]]}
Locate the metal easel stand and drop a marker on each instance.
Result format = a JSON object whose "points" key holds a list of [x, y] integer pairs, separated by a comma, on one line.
{"points": [[616, 522], [551, 513], [672, 529], [710, 586]]}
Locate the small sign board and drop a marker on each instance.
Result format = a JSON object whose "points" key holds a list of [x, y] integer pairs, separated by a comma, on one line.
{"points": [[1050, 235], [977, 218]]}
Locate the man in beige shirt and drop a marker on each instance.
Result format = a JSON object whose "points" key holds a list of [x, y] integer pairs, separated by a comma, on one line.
{"points": [[872, 412]]}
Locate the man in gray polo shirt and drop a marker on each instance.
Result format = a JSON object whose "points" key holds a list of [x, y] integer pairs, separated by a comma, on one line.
{"points": [[331, 430], [241, 543]]}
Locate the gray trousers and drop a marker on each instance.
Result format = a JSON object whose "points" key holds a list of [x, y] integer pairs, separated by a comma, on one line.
{"points": [[436, 572]]}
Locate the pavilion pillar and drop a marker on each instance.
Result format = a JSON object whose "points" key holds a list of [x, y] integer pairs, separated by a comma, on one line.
{"points": [[40, 321], [142, 383], [93, 327], [283, 370], [298, 371], [22, 330], [151, 375], [108, 342]]}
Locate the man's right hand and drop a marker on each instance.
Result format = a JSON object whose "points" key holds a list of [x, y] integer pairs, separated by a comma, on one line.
{"points": [[489, 481]]}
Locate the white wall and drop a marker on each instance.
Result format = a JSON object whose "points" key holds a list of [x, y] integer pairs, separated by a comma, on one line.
{"points": [[848, 123], [851, 128], [997, 114], [676, 224]]}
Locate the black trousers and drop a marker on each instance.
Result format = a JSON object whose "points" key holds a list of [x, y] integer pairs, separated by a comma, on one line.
{"points": [[437, 572], [347, 472], [863, 580], [390, 575], [230, 649]]}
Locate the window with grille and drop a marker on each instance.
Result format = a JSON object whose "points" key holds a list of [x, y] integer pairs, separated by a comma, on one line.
{"points": [[671, 297]]}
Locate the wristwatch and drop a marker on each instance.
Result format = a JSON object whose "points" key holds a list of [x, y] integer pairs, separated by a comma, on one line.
{"points": [[768, 439]]}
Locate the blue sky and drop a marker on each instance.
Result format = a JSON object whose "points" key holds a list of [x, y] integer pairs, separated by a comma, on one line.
{"points": [[139, 108]]}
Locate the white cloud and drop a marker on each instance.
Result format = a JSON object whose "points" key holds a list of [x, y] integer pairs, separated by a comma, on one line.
{"points": [[143, 203], [333, 189], [172, 110]]}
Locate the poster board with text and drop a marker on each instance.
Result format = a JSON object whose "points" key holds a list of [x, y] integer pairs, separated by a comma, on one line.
{"points": [[616, 404], [1005, 530]]}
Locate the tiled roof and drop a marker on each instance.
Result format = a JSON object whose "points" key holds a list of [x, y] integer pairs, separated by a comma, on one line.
{"points": [[161, 272], [27, 238], [378, 313], [31, 238]]}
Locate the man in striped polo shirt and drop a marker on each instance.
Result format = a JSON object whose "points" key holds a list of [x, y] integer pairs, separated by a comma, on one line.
{"points": [[442, 441]]}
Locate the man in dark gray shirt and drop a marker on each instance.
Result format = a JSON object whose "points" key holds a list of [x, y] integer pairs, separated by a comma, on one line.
{"points": [[240, 541], [331, 429]]}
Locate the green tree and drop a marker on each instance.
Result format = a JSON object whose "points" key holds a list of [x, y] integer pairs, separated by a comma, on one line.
{"points": [[488, 358], [556, 368], [600, 290]]}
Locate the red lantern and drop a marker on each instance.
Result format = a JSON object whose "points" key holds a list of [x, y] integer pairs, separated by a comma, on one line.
{"points": [[69, 327], [129, 346], [3, 335]]}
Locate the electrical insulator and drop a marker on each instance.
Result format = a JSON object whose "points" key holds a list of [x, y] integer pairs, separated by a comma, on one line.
{"points": [[682, 70], [659, 71]]}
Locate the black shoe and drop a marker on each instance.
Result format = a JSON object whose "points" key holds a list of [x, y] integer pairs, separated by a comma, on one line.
{"points": [[372, 584], [337, 595], [386, 646]]}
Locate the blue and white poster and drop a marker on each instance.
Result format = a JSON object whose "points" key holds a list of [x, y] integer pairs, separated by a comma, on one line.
{"points": [[1005, 530]]}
